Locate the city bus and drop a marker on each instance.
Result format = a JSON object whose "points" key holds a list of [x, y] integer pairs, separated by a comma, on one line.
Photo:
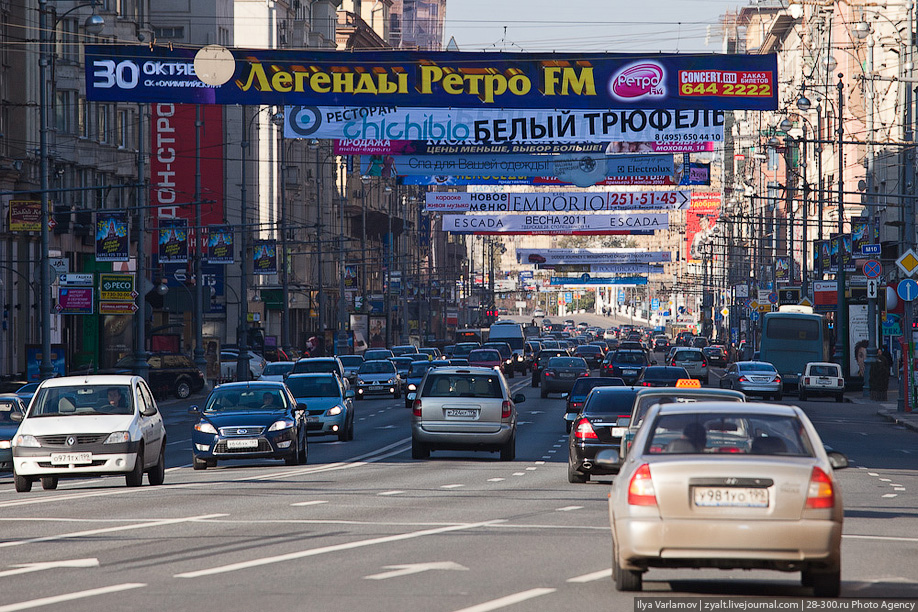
{"points": [[790, 340]]}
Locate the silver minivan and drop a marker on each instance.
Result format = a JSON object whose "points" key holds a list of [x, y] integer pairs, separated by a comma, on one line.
{"points": [[694, 362], [464, 409]]}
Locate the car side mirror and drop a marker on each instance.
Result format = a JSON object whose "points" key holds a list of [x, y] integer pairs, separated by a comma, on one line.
{"points": [[301, 406], [837, 460], [608, 459], [519, 398], [349, 394], [194, 410], [411, 396], [16, 417]]}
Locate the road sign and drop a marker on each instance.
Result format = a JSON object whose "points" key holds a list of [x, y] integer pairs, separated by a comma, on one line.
{"points": [[805, 302], [908, 263], [110, 308], [76, 280], [873, 269], [789, 295], [725, 312], [742, 291], [772, 298], [655, 304], [870, 249], [754, 315], [907, 289], [747, 302], [872, 285], [116, 287]]}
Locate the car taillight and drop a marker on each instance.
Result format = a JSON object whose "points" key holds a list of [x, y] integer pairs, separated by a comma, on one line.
{"points": [[640, 489], [673, 363], [742, 379], [777, 379], [821, 493], [704, 363], [505, 409], [416, 408], [583, 374], [576, 404], [806, 380], [548, 373], [646, 384], [584, 431], [841, 382]]}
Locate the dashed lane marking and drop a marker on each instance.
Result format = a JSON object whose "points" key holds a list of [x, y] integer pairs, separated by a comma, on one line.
{"points": [[496, 479], [391, 493], [569, 508], [451, 486], [509, 600], [601, 574], [314, 502], [47, 601]]}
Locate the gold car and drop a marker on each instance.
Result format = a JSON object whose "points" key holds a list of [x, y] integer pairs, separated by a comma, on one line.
{"points": [[727, 485]]}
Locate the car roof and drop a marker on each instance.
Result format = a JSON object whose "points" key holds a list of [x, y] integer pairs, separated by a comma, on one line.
{"points": [[253, 384], [729, 408], [757, 362], [317, 359], [314, 375], [94, 379], [821, 363], [690, 392], [615, 389], [465, 370]]}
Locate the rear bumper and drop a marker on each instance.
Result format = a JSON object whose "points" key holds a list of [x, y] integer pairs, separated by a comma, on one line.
{"points": [[583, 455], [463, 439], [759, 387]]}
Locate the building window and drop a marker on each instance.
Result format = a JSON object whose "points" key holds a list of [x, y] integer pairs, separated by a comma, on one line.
{"points": [[63, 110], [103, 122], [82, 117], [66, 46], [169, 33], [124, 129]]}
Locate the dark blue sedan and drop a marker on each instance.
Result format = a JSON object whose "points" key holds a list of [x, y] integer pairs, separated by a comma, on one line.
{"points": [[249, 420], [11, 411]]}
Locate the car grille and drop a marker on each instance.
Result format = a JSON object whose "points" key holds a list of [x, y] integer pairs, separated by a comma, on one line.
{"points": [[242, 431], [315, 412], [79, 439], [95, 463], [313, 426], [263, 447]]}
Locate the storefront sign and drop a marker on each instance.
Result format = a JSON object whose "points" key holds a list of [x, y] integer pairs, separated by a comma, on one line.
{"points": [[446, 79], [408, 147], [75, 300], [591, 256], [25, 215]]}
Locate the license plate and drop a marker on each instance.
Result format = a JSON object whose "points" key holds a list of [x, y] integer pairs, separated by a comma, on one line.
{"points": [[70, 458], [736, 497], [457, 413], [619, 432], [243, 443], [312, 419], [567, 374], [629, 372], [375, 387]]}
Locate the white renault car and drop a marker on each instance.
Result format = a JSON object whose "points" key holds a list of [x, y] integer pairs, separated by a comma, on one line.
{"points": [[80, 426]]}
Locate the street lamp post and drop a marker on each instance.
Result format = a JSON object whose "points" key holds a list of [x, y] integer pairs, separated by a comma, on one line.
{"points": [[141, 367], [198, 250], [278, 120], [841, 321], [242, 364], [94, 24]]}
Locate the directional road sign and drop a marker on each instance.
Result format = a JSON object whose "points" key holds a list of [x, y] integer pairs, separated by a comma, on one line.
{"points": [[908, 263], [870, 249], [754, 315], [907, 289], [873, 269], [872, 286]]}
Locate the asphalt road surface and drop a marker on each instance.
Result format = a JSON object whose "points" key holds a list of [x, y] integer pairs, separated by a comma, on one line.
{"points": [[362, 526]]}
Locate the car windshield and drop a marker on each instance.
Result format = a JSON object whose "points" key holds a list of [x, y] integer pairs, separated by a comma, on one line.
{"points": [[566, 362], [244, 399], [377, 354], [618, 401], [29, 388], [377, 367], [277, 369], [6, 411], [728, 434], [351, 361], [823, 370], [635, 358], [757, 367], [313, 386], [83, 400], [419, 369], [463, 385]]}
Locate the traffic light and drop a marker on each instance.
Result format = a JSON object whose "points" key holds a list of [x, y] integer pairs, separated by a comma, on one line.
{"points": [[488, 315]]}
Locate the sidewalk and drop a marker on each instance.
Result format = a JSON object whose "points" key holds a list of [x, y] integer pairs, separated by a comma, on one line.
{"points": [[888, 408]]}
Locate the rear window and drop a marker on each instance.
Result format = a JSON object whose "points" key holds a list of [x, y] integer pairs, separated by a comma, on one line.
{"points": [[585, 385], [484, 355], [313, 386], [314, 367], [588, 348], [792, 329], [759, 434], [756, 367], [824, 371], [463, 385], [351, 361], [626, 358], [277, 369], [688, 356], [646, 401], [566, 362], [419, 368], [606, 402]]}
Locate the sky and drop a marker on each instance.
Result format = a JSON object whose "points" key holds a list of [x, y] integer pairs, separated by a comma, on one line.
{"points": [[616, 26]]}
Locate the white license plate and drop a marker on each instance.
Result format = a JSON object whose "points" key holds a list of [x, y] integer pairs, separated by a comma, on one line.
{"points": [[375, 387], [619, 432], [567, 374], [312, 419], [737, 497], [629, 372], [70, 458], [457, 413], [243, 443]]}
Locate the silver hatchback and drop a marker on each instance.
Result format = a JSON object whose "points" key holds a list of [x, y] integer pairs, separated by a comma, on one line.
{"points": [[464, 409], [694, 362]]}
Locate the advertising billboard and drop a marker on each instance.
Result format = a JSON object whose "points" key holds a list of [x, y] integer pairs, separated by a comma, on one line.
{"points": [[551, 223], [556, 201]]}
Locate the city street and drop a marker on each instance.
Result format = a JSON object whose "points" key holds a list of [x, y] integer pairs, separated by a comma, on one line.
{"points": [[364, 527]]}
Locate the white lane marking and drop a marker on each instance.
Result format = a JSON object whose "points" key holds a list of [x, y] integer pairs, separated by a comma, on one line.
{"points": [[606, 573], [63, 497], [451, 486], [871, 537], [519, 473], [556, 446], [178, 442], [531, 469], [552, 452], [899, 489], [80, 534], [391, 493], [894, 485], [314, 502], [509, 600], [546, 456], [47, 601], [863, 433], [886, 480], [569, 508], [891, 495], [28, 568], [872, 474], [540, 463], [181, 467], [415, 568], [232, 567], [496, 479]]}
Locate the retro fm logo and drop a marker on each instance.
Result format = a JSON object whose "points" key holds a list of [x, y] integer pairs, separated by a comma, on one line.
{"points": [[638, 81]]}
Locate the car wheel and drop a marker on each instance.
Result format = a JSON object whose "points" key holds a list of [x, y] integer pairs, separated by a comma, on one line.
{"points": [[419, 450], [342, 433], [840, 397], [134, 478], [350, 431], [576, 476], [157, 474], [182, 389], [779, 397], [625, 580], [293, 458], [198, 464], [802, 395], [535, 382], [508, 450], [23, 483], [49, 483], [543, 391], [825, 584], [302, 454]]}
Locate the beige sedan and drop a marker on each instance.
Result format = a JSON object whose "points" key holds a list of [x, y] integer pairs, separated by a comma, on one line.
{"points": [[727, 485]]}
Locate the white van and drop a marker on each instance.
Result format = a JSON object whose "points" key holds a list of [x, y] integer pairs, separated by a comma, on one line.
{"points": [[510, 332]]}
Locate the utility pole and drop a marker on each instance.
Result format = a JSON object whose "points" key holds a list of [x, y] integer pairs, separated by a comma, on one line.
{"points": [[199, 360], [841, 321], [141, 367]]}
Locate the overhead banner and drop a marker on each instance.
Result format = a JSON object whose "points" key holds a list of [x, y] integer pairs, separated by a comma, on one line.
{"points": [[112, 236], [586, 279], [220, 244], [591, 256], [623, 223], [625, 269], [556, 201], [409, 147], [503, 126], [265, 257], [446, 79], [173, 241]]}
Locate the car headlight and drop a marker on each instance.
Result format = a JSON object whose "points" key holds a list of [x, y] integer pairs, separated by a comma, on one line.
{"points": [[360, 381], [390, 381], [26, 440], [5, 444], [281, 425], [117, 437], [334, 410], [205, 427], [412, 387]]}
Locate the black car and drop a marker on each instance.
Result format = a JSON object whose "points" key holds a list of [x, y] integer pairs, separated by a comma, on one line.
{"points": [[627, 365], [716, 355], [661, 376], [591, 353], [597, 428], [169, 373], [541, 360], [249, 420], [560, 374], [581, 389], [661, 344]]}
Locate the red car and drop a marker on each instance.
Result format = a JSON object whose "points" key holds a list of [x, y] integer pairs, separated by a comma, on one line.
{"points": [[487, 358]]}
